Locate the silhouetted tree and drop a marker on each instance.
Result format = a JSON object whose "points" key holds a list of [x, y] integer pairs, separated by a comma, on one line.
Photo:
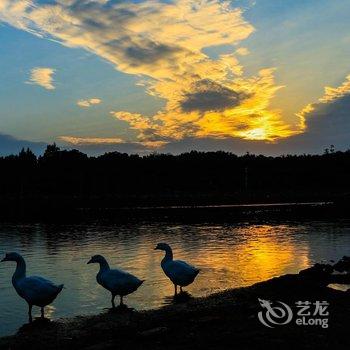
{"points": [[61, 178]]}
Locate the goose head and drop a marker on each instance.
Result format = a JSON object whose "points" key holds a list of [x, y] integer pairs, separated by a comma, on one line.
{"points": [[163, 246], [97, 259], [12, 257]]}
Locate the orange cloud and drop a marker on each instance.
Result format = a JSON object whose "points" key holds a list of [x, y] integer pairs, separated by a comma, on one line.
{"points": [[332, 94], [236, 108]]}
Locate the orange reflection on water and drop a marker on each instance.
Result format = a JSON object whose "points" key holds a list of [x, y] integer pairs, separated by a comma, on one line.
{"points": [[261, 255], [227, 258]]}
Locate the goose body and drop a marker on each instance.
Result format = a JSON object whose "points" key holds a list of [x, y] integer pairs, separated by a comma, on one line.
{"points": [[117, 281], [179, 272], [35, 290]]}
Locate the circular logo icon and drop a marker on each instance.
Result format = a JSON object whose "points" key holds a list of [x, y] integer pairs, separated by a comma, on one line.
{"points": [[274, 315]]}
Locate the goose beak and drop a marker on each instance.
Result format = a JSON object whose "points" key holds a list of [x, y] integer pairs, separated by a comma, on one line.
{"points": [[89, 262], [4, 259]]}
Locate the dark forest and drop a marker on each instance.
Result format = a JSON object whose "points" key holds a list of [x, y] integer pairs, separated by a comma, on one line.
{"points": [[71, 179]]}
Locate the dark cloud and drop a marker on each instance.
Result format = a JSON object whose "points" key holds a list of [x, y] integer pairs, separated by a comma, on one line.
{"points": [[93, 24], [11, 145], [328, 124], [330, 120], [135, 49], [208, 95], [83, 6], [150, 52]]}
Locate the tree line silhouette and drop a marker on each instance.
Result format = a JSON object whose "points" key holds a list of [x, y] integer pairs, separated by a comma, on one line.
{"points": [[70, 179]]}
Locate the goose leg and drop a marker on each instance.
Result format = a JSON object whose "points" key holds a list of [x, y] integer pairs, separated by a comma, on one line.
{"points": [[175, 289], [113, 303], [121, 300], [30, 313], [181, 289], [42, 313]]}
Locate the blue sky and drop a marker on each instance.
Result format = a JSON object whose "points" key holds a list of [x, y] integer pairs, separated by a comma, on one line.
{"points": [[247, 69]]}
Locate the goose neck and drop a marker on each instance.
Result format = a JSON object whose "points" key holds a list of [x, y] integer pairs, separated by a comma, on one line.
{"points": [[104, 266], [168, 255], [20, 271]]}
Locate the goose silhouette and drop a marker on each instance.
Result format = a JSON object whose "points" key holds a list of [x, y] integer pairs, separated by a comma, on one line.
{"points": [[35, 290], [179, 272], [118, 282]]}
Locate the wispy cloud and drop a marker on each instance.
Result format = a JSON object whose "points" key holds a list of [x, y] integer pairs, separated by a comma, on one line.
{"points": [[85, 141], [164, 42], [332, 93], [90, 140], [89, 102], [243, 51], [42, 76]]}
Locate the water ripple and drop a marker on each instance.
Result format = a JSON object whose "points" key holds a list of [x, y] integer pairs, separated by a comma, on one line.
{"points": [[228, 256]]}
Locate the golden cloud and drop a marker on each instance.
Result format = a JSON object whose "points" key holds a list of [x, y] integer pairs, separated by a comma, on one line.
{"points": [[43, 77], [164, 42], [332, 94], [89, 102], [238, 109]]}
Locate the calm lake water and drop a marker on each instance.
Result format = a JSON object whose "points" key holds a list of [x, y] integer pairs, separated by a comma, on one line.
{"points": [[229, 256]]}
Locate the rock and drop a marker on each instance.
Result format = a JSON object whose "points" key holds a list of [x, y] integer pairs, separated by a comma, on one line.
{"points": [[153, 331], [343, 264], [319, 273]]}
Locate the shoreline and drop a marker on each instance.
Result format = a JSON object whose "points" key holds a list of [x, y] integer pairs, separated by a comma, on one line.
{"points": [[186, 213], [224, 320]]}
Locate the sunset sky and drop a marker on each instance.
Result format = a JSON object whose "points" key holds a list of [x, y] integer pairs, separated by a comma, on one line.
{"points": [[264, 76]]}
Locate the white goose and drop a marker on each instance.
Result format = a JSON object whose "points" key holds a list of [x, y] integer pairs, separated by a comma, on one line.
{"points": [[178, 271], [118, 282], [35, 290]]}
